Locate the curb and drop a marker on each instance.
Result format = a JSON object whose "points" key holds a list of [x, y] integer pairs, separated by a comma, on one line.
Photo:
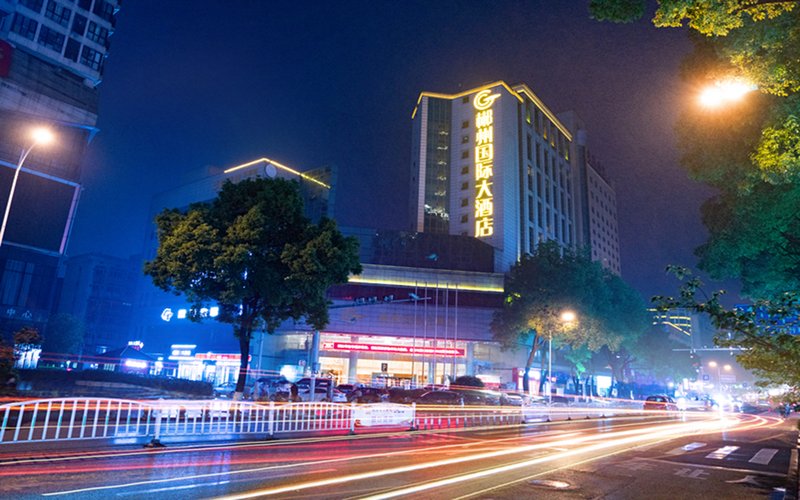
{"points": [[793, 476]]}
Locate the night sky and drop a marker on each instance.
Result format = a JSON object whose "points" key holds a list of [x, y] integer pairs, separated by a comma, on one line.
{"points": [[210, 82]]}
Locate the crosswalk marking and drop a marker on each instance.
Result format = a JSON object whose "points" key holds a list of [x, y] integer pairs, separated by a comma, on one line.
{"points": [[763, 456], [683, 449], [722, 452]]}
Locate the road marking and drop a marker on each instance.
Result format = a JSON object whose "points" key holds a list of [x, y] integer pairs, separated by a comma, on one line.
{"points": [[683, 449], [692, 473], [763, 456], [722, 452], [717, 467], [748, 479]]}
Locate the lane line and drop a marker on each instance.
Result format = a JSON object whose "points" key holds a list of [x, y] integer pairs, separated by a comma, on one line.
{"points": [[763, 456], [683, 449], [721, 453]]}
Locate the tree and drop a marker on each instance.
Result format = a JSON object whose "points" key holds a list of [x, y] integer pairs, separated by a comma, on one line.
{"points": [[6, 361], [27, 338], [64, 334], [762, 331], [253, 253], [749, 151], [543, 285]]}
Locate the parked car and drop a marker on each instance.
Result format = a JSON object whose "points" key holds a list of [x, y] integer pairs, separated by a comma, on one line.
{"points": [[368, 395], [660, 402], [451, 398], [480, 397]]}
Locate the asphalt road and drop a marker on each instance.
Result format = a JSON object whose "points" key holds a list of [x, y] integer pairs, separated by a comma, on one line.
{"points": [[653, 456]]}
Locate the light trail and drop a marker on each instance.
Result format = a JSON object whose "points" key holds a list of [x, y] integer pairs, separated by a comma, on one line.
{"points": [[613, 439], [475, 448]]}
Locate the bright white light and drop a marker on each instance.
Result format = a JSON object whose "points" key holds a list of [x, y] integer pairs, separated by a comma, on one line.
{"points": [[213, 312], [725, 91], [42, 136], [568, 316], [289, 372], [181, 313], [136, 363]]}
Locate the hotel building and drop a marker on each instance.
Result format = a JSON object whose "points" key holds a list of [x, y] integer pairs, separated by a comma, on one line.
{"points": [[495, 163]]}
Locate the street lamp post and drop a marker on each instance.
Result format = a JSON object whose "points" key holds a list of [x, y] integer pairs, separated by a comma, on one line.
{"points": [[566, 317], [40, 136]]}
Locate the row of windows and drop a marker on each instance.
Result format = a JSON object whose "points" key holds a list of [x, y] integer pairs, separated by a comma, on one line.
{"points": [[57, 42], [60, 14]]}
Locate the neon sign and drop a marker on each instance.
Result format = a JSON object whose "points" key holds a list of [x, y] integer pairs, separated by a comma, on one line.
{"points": [[392, 349], [484, 162]]}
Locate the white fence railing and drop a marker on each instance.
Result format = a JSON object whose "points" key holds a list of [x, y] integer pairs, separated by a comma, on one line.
{"points": [[72, 419]]}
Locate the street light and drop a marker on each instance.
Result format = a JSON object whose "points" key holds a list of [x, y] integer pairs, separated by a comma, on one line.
{"points": [[40, 136], [566, 318], [724, 91]]}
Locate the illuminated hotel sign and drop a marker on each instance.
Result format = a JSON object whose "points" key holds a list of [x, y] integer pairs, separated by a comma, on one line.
{"points": [[484, 162], [391, 349]]}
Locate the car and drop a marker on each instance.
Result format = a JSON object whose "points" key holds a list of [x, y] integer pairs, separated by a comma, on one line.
{"points": [[450, 398], [480, 397], [515, 399], [660, 402], [225, 390]]}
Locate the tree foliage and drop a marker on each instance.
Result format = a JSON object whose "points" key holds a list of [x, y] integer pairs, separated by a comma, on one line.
{"points": [[762, 332], [253, 253], [748, 150], [27, 338], [551, 280]]}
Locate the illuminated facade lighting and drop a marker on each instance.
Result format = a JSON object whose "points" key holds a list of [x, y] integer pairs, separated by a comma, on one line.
{"points": [[267, 162]]}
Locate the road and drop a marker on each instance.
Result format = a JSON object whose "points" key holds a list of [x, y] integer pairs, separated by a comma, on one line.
{"points": [[652, 456]]}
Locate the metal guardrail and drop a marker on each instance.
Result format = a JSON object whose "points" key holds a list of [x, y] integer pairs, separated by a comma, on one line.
{"points": [[74, 419]]}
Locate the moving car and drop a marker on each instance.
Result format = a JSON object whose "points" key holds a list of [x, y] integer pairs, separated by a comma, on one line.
{"points": [[441, 398], [660, 402]]}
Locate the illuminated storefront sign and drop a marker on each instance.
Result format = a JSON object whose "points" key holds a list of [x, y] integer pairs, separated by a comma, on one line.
{"points": [[484, 162], [391, 349], [204, 312]]}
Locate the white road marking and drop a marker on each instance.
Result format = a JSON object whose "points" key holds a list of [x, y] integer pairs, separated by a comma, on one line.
{"points": [[685, 448], [763, 456], [722, 452]]}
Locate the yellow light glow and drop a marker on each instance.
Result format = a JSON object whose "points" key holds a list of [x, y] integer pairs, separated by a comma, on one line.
{"points": [[412, 283], [712, 364], [42, 136], [440, 95], [725, 91], [279, 165], [568, 316]]}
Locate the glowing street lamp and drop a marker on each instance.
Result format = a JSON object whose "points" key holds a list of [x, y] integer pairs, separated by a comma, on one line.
{"points": [[725, 91], [566, 317], [40, 136]]}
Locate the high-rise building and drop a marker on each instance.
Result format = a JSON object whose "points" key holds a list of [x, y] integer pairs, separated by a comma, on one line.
{"points": [[596, 219], [51, 61], [495, 163]]}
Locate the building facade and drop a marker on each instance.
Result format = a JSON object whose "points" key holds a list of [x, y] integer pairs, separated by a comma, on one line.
{"points": [[51, 61], [100, 289], [496, 164]]}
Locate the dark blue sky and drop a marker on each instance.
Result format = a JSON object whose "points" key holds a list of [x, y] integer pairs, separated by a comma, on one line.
{"points": [[212, 82]]}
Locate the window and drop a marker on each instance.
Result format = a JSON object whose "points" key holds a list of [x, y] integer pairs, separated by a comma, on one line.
{"points": [[465, 154], [465, 170], [465, 99], [464, 139], [104, 10], [465, 185], [79, 24], [530, 178], [464, 218], [528, 112], [97, 33], [91, 58], [530, 148], [464, 202], [85, 4], [465, 124], [530, 208], [16, 282], [34, 5], [24, 26], [537, 120], [72, 50], [58, 13], [51, 39]]}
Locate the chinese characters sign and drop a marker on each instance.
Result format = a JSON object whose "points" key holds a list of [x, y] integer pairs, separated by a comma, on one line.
{"points": [[484, 162]]}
